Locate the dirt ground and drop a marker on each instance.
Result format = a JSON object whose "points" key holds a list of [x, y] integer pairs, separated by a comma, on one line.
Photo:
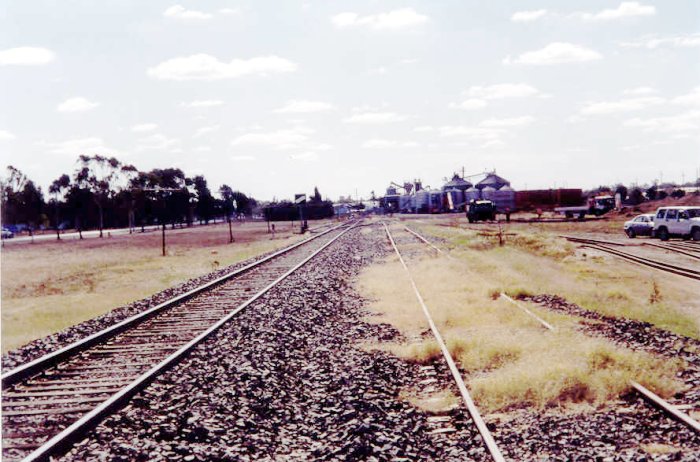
{"points": [[47, 286]]}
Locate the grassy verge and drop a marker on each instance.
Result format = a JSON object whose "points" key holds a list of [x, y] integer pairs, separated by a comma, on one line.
{"points": [[49, 286], [538, 262], [510, 360]]}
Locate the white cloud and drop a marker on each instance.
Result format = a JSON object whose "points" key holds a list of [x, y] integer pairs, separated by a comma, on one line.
{"points": [[6, 136], [78, 104], [424, 128], [686, 121], [242, 158], [393, 20], [78, 146], [180, 12], [470, 104], [527, 16], [507, 122], [306, 156], [206, 67], [26, 56], [480, 95], [624, 105], [503, 90], [674, 41], [202, 103], [478, 133], [229, 11], [556, 53], [158, 142], [384, 144], [490, 144], [204, 130], [638, 91], [372, 117], [624, 10], [691, 99], [149, 127], [278, 139], [203, 149], [303, 107]]}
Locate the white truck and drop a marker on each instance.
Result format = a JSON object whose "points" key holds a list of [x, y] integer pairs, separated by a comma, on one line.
{"points": [[598, 205], [683, 222]]}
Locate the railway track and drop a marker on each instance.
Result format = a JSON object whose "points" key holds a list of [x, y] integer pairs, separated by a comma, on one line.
{"points": [[683, 250], [669, 409], [606, 247], [50, 403], [490, 443]]}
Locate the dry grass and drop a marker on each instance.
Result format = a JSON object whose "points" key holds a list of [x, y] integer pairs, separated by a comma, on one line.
{"points": [[602, 284], [49, 286], [510, 360]]}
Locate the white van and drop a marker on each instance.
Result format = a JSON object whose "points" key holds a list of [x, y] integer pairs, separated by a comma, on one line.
{"points": [[681, 222]]}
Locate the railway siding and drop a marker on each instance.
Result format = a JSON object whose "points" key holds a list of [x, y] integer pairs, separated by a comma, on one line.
{"points": [[291, 381]]}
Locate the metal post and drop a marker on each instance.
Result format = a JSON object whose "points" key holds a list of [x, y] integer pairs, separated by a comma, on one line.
{"points": [[230, 231], [163, 234]]}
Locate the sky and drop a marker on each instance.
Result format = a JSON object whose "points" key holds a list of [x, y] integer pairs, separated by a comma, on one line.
{"points": [[276, 97]]}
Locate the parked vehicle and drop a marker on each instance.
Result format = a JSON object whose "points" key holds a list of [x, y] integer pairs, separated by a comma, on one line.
{"points": [[683, 222], [598, 205], [641, 225], [7, 234], [481, 211]]}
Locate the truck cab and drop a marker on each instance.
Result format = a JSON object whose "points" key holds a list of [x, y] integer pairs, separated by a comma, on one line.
{"points": [[683, 222], [481, 210]]}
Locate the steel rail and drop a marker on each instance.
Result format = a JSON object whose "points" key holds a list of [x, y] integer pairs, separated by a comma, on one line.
{"points": [[678, 270], [61, 443], [456, 375], [680, 250], [602, 246], [502, 294], [646, 394], [37, 365]]}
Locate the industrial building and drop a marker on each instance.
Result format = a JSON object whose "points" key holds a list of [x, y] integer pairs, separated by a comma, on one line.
{"points": [[455, 194]]}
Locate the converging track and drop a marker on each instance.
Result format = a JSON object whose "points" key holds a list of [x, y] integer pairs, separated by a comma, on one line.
{"points": [[650, 397], [49, 403]]}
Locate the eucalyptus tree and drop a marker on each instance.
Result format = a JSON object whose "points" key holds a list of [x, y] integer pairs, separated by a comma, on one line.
{"points": [[101, 176], [57, 188]]}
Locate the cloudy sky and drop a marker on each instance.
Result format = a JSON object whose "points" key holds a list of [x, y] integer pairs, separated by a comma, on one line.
{"points": [[274, 97]]}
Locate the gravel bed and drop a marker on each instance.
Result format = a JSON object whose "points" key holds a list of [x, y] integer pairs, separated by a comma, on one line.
{"points": [[45, 345], [287, 381], [620, 434]]}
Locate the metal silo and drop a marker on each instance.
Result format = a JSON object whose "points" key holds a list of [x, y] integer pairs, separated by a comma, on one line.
{"points": [[472, 194], [492, 181], [504, 199], [488, 193], [422, 201]]}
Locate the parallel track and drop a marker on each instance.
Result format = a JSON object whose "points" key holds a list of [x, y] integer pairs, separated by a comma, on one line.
{"points": [[51, 402], [650, 397], [679, 270], [490, 443]]}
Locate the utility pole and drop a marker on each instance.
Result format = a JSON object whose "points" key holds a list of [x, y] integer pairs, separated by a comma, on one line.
{"points": [[160, 192]]}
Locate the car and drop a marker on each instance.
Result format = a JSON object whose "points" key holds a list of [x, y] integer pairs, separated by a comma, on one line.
{"points": [[7, 234], [683, 222], [641, 225]]}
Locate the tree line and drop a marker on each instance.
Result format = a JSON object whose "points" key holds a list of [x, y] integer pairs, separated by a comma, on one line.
{"points": [[104, 193]]}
